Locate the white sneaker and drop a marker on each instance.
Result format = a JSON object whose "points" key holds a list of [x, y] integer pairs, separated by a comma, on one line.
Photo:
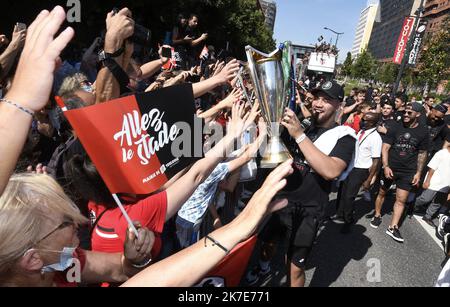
{"points": [[256, 274]]}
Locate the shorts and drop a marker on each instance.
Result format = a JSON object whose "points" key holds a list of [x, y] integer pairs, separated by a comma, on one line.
{"points": [[297, 225], [187, 235], [402, 180]]}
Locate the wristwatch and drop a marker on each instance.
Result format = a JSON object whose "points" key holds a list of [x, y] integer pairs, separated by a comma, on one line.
{"points": [[102, 55]]}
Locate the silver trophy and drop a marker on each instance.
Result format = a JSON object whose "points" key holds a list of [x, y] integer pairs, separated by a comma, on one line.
{"points": [[270, 74]]}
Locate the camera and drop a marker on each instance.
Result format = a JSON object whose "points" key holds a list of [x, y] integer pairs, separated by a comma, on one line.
{"points": [[142, 36]]}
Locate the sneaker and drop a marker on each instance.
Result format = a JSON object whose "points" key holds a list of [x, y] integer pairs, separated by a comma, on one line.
{"points": [[256, 275], [370, 216], [420, 210], [440, 231], [394, 233], [337, 219], [376, 222], [429, 222]]}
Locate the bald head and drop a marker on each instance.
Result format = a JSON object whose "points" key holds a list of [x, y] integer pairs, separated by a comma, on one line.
{"points": [[371, 119]]}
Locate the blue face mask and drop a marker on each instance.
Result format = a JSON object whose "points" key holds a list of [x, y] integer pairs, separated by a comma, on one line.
{"points": [[87, 88], [65, 261], [363, 125]]}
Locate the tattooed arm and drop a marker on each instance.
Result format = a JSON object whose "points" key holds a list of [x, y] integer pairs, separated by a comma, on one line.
{"points": [[423, 154]]}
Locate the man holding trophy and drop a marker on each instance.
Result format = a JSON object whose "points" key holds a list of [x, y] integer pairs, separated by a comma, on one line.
{"points": [[322, 153]]}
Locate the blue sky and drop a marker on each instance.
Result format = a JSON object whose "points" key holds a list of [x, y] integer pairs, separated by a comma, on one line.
{"points": [[302, 21]]}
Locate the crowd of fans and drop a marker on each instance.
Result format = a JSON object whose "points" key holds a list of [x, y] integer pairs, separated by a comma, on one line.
{"points": [[56, 209]]}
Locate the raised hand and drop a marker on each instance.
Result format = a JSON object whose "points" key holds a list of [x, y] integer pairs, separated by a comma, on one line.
{"points": [[292, 124], [3, 40], [18, 38], [241, 120], [40, 169], [119, 27], [229, 72], [34, 76], [233, 97], [262, 203]]}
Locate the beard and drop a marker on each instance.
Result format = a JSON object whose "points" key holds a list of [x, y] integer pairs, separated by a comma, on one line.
{"points": [[322, 118]]}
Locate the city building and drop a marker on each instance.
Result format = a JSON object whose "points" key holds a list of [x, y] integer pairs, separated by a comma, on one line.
{"points": [[269, 8], [385, 33], [436, 11], [364, 29]]}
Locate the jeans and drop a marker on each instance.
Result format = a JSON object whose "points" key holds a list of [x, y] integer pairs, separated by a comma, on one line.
{"points": [[437, 200], [187, 232]]}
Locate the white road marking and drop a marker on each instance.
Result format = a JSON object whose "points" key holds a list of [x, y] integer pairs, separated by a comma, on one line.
{"points": [[430, 230]]}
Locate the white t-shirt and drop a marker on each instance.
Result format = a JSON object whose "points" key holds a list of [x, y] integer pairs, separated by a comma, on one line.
{"points": [[440, 163], [444, 277], [368, 147]]}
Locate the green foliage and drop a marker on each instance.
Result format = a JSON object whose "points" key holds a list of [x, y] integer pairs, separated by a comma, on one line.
{"points": [[365, 65], [347, 66], [434, 62], [387, 73], [239, 22]]}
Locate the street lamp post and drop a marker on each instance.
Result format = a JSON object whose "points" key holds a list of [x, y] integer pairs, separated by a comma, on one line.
{"points": [[337, 34]]}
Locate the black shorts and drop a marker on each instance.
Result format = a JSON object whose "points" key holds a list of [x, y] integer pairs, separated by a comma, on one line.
{"points": [[296, 225], [403, 180]]}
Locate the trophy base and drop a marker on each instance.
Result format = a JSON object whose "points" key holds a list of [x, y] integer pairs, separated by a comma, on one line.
{"points": [[276, 154]]}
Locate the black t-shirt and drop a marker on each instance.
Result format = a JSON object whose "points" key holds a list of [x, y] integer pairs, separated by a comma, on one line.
{"points": [[437, 137], [389, 124], [447, 120], [406, 144], [398, 116], [311, 190], [193, 51]]}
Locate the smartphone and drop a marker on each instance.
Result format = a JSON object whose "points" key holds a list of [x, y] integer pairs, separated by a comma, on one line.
{"points": [[21, 26], [166, 52]]}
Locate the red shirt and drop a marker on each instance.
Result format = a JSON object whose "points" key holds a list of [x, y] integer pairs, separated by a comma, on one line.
{"points": [[356, 124], [110, 232]]}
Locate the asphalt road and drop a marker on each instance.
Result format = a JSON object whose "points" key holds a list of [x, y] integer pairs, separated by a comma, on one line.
{"points": [[367, 257]]}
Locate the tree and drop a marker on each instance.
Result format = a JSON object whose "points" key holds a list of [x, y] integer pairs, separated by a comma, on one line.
{"points": [[347, 66], [236, 22], [387, 73], [364, 66], [434, 62]]}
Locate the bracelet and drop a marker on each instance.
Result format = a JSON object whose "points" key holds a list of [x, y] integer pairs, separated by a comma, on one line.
{"points": [[215, 243], [141, 266], [29, 112], [301, 139]]}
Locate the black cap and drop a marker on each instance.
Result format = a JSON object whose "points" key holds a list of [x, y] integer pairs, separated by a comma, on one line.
{"points": [[331, 89], [415, 106], [441, 108]]}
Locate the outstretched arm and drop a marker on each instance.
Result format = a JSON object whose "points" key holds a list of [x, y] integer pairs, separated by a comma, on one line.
{"points": [[189, 266], [181, 190], [31, 87], [226, 75]]}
